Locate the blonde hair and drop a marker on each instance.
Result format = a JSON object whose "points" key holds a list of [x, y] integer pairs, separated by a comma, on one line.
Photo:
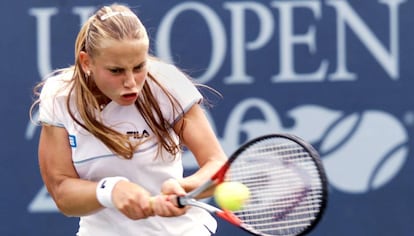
{"points": [[115, 22]]}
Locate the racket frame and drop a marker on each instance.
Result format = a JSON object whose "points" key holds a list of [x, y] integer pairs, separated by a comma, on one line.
{"points": [[219, 176]]}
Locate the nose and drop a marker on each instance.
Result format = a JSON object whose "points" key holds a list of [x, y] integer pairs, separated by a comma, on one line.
{"points": [[129, 81]]}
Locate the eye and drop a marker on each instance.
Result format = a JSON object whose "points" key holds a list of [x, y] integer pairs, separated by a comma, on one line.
{"points": [[116, 70], [139, 67]]}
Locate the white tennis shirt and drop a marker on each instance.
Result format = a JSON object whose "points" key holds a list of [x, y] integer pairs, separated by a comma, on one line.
{"points": [[94, 161]]}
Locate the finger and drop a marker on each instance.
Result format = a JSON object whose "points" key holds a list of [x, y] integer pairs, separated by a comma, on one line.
{"points": [[151, 205], [141, 209], [166, 207], [173, 210], [147, 206], [172, 186]]}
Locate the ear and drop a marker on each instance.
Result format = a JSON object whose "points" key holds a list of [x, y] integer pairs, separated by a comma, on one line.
{"points": [[85, 61]]}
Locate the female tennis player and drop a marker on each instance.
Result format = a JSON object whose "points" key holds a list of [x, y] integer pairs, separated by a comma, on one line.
{"points": [[113, 128]]}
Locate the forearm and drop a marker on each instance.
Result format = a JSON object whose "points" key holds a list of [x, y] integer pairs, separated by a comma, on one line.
{"points": [[198, 136], [201, 176], [75, 197]]}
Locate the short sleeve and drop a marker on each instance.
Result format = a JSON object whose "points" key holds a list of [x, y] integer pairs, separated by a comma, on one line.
{"points": [[52, 106], [179, 85]]}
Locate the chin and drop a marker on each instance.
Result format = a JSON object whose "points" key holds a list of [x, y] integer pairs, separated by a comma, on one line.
{"points": [[125, 103]]}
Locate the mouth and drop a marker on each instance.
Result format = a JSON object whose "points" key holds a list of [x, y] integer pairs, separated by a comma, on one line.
{"points": [[129, 96]]}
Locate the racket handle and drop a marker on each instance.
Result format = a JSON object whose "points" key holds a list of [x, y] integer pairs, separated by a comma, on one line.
{"points": [[180, 201]]}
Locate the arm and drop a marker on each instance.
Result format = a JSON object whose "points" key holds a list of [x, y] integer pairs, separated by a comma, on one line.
{"points": [[76, 197], [199, 137], [72, 195]]}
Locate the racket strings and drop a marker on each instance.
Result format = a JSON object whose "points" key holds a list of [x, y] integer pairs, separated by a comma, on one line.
{"points": [[283, 150], [284, 184]]}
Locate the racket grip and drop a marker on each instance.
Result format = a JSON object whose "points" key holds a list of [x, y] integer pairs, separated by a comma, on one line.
{"points": [[179, 202]]}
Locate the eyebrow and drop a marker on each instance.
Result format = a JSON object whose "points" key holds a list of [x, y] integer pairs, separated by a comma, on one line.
{"points": [[121, 67]]}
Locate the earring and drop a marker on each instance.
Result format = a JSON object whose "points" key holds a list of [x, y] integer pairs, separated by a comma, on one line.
{"points": [[88, 73]]}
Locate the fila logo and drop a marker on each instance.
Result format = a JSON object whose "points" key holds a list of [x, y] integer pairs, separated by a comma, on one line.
{"points": [[137, 134]]}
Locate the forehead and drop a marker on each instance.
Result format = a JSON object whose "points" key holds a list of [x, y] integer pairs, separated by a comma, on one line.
{"points": [[122, 52]]}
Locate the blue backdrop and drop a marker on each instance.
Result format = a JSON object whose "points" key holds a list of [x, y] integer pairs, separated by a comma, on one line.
{"points": [[337, 73]]}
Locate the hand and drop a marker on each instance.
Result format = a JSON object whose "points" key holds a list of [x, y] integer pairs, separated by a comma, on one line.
{"points": [[132, 200], [172, 187], [165, 204]]}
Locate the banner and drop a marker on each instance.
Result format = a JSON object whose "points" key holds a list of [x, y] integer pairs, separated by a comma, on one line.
{"points": [[337, 73]]}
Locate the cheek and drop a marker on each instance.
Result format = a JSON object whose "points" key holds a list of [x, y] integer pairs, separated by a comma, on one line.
{"points": [[105, 83], [141, 77]]}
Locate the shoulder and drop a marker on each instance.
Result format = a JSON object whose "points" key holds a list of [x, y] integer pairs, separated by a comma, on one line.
{"points": [[57, 85], [156, 64], [53, 97], [165, 71], [175, 82]]}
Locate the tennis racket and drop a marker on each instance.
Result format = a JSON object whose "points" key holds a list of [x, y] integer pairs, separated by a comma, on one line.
{"points": [[287, 183]]}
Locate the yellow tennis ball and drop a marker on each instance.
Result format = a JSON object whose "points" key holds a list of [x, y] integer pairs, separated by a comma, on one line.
{"points": [[231, 195]]}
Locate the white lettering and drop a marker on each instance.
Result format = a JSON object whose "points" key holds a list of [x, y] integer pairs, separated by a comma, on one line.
{"points": [[83, 12], [218, 37], [239, 44], [288, 39], [236, 123], [43, 16], [346, 15]]}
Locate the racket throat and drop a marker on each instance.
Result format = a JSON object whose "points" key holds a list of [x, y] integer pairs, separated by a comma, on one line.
{"points": [[229, 216]]}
